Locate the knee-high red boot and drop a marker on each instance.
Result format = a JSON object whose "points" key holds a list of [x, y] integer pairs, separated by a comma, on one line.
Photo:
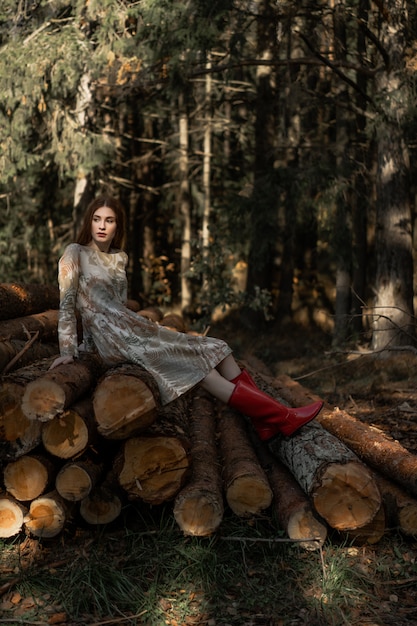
{"points": [[268, 416]]}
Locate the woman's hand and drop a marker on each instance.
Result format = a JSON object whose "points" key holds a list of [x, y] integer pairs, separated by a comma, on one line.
{"points": [[61, 360]]}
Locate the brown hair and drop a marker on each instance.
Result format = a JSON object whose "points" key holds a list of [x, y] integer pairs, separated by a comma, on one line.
{"points": [[84, 234]]}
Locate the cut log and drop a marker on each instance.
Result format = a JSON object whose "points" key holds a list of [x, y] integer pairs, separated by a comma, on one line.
{"points": [[28, 477], [56, 390], [18, 300], [104, 504], [152, 469], [12, 514], [246, 485], [100, 507], [370, 533], [15, 353], [369, 443], [341, 487], [76, 479], [125, 401], [400, 506], [47, 515], [18, 434], [292, 508], [45, 324], [198, 507], [69, 434]]}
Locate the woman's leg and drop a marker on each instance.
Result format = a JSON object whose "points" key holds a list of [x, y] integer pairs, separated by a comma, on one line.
{"points": [[218, 386], [228, 368]]}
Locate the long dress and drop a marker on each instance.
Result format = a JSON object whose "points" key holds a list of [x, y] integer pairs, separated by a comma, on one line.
{"points": [[95, 284]]}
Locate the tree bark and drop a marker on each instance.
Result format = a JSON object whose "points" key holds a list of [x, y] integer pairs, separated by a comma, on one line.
{"points": [[15, 354], [393, 317], [18, 300], [291, 505], [342, 488], [198, 507], [125, 401], [45, 324], [400, 507], [54, 391], [246, 486]]}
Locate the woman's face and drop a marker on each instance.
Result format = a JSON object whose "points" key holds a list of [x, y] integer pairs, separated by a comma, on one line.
{"points": [[103, 228]]}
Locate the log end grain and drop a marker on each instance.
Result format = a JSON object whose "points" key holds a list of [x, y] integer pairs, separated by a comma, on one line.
{"points": [[66, 435], [123, 405], [198, 515], [97, 510], [347, 497], [153, 468], [46, 517], [73, 482], [26, 478], [248, 495], [304, 526], [43, 399], [12, 516]]}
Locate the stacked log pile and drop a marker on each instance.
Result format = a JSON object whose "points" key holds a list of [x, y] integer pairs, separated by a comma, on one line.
{"points": [[84, 440]]}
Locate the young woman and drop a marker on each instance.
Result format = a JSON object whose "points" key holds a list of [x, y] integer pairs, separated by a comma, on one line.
{"points": [[92, 280]]}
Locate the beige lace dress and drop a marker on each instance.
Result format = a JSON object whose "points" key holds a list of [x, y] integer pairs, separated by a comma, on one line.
{"points": [[95, 284]]}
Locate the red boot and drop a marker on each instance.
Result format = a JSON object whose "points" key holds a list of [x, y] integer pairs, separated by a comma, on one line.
{"points": [[268, 416], [245, 377]]}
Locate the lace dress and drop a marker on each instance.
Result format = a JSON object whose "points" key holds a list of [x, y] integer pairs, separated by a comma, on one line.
{"points": [[95, 284]]}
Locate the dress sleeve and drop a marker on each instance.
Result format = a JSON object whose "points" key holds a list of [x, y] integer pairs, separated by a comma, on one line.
{"points": [[68, 272]]}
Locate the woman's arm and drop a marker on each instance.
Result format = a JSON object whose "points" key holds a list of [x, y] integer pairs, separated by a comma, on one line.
{"points": [[68, 273]]}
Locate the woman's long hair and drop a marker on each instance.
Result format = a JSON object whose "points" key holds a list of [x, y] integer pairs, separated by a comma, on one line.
{"points": [[84, 235]]}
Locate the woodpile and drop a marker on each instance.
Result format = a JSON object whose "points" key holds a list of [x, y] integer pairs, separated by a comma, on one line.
{"points": [[82, 441]]}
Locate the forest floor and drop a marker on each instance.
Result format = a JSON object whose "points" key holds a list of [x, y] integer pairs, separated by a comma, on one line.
{"points": [[367, 585]]}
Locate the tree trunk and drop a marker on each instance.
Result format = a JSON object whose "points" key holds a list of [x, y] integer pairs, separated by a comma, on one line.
{"points": [[15, 353], [374, 447], [54, 391], [370, 444], [198, 507], [125, 400], [18, 300], [28, 477], [393, 315], [45, 324], [246, 486], [291, 506], [341, 487], [185, 206]]}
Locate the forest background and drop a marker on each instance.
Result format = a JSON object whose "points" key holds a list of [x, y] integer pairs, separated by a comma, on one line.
{"points": [[264, 152]]}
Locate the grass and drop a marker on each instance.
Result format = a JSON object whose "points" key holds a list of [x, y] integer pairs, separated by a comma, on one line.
{"points": [[145, 572]]}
